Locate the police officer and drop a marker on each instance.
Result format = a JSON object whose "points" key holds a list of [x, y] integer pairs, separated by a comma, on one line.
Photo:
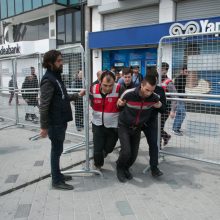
{"points": [[104, 97], [55, 112]]}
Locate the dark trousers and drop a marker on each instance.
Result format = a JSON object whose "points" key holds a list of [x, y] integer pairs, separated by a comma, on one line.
{"points": [[130, 140], [34, 103], [104, 140], [56, 134], [164, 117], [11, 97], [151, 132]]}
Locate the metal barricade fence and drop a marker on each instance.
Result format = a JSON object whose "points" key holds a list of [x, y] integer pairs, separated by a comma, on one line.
{"points": [[26, 72], [7, 92], [194, 65], [21, 68]]}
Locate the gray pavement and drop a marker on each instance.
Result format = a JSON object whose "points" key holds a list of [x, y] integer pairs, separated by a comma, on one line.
{"points": [[187, 190]]}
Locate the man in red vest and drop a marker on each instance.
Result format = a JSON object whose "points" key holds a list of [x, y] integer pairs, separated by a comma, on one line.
{"points": [[104, 97]]}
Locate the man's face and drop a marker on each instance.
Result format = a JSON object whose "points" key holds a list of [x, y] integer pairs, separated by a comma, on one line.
{"points": [[107, 85], [164, 71], [58, 65], [185, 72], [147, 90], [32, 71], [135, 71], [127, 79]]}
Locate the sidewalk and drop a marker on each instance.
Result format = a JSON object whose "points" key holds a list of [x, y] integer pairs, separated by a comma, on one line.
{"points": [[187, 190]]}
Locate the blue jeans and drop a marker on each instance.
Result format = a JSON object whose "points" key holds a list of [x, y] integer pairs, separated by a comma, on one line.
{"points": [[180, 116], [56, 134]]}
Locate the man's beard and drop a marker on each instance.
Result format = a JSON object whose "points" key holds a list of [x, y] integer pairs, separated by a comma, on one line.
{"points": [[58, 70]]}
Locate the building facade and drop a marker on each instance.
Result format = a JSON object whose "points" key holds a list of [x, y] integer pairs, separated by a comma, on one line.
{"points": [[36, 26], [127, 33]]}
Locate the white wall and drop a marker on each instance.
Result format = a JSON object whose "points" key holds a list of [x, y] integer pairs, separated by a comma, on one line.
{"points": [[167, 10], [97, 25]]}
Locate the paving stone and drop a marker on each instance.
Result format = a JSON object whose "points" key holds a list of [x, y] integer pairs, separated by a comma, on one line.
{"points": [[23, 211], [124, 208], [12, 178], [38, 163]]}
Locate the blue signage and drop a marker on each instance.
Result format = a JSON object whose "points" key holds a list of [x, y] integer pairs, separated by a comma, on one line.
{"points": [[150, 34]]}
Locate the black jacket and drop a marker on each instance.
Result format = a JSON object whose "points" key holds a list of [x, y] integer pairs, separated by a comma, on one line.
{"points": [[30, 95], [180, 83], [137, 110], [55, 106], [123, 87], [160, 92]]}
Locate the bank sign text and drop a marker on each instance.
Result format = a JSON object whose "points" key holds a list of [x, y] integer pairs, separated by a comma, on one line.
{"points": [[191, 27]]}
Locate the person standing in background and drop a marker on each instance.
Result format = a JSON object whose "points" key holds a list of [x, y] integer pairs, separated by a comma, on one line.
{"points": [[180, 84]]}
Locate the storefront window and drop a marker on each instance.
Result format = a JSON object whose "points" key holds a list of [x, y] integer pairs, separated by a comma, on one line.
{"points": [[11, 8], [18, 6], [27, 5], [77, 24], [68, 26], [31, 31], [3, 8]]}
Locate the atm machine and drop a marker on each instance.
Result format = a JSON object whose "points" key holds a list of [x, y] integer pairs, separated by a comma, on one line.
{"points": [[119, 66], [150, 65]]}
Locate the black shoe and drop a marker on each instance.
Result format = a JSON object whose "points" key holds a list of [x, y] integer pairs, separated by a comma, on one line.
{"points": [[62, 185], [66, 177], [128, 175], [166, 140], [121, 175], [155, 172]]}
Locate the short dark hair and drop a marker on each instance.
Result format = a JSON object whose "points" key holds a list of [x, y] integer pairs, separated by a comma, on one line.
{"points": [[50, 57], [126, 71], [108, 74], [149, 79], [184, 67], [135, 67], [165, 65], [154, 73]]}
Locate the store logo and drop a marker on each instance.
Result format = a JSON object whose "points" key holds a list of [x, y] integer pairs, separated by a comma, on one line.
{"points": [[191, 27], [9, 50]]}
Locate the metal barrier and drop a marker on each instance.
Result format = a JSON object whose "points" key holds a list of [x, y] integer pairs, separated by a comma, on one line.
{"points": [[198, 109], [87, 73], [24, 111]]}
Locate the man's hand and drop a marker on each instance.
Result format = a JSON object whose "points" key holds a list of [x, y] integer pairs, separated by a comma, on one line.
{"points": [[121, 102], [157, 105], [43, 133], [82, 92], [172, 114]]}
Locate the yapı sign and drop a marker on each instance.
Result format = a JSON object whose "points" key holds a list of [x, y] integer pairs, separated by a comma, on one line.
{"points": [[192, 27]]}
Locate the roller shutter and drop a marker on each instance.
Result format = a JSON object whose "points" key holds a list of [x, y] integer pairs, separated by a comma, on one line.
{"points": [[132, 18], [192, 9]]}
